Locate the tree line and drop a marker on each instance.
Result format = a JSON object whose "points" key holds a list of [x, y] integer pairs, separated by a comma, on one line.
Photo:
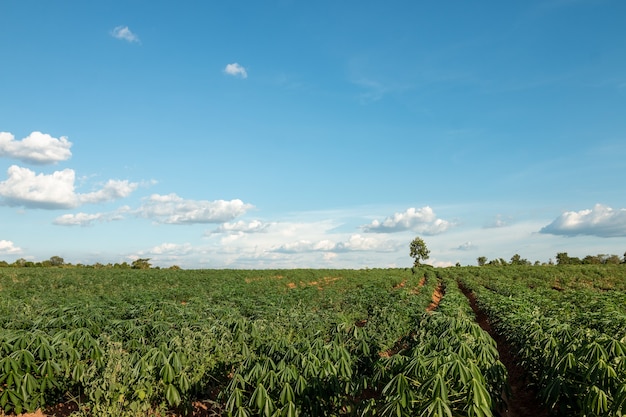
{"points": [[57, 261], [562, 258]]}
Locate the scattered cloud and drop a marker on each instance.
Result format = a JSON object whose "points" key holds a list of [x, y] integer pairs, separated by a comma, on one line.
{"points": [[236, 70], [497, 221], [466, 246], [124, 33], [599, 221], [354, 243], [169, 249], [112, 190], [87, 219], [26, 188], [8, 248], [422, 220], [37, 148], [172, 209], [168, 254], [255, 226], [78, 219]]}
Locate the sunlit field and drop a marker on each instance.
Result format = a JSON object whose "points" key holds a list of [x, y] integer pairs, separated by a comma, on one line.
{"points": [[401, 342]]}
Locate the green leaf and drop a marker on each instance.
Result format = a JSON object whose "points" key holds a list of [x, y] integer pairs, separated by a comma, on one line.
{"points": [[597, 401], [286, 394], [172, 395]]}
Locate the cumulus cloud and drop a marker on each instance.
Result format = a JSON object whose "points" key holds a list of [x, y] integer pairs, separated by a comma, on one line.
{"points": [[124, 33], [170, 249], [26, 188], [87, 219], [112, 190], [37, 148], [255, 226], [354, 243], [78, 219], [8, 248], [236, 70], [422, 220], [167, 253], [466, 246], [599, 221], [172, 209]]}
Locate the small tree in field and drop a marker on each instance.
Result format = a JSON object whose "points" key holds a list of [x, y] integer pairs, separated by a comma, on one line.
{"points": [[141, 263], [419, 251], [57, 261]]}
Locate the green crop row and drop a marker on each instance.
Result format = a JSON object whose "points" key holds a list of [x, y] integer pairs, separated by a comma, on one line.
{"points": [[572, 341], [301, 342]]}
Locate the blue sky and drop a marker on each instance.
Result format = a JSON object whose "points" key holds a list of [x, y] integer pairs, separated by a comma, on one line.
{"points": [[328, 134]]}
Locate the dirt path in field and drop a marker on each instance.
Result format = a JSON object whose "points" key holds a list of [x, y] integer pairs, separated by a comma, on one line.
{"points": [[523, 401], [436, 298]]}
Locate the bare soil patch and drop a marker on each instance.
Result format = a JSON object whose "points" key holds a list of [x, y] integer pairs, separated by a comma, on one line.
{"points": [[399, 285], [436, 298]]}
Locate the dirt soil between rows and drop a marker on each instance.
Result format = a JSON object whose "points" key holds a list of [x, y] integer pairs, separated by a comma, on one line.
{"points": [[523, 401]]}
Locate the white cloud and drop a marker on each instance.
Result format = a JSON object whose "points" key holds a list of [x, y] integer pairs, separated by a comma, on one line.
{"points": [[8, 247], [255, 226], [599, 221], [37, 148], [86, 219], [236, 70], [123, 33], [353, 243], [168, 254], [26, 188], [78, 219], [112, 190], [170, 249], [172, 209], [54, 191], [466, 246], [421, 220]]}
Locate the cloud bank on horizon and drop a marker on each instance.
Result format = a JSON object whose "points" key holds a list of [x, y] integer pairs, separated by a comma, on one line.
{"points": [[304, 138], [56, 191]]}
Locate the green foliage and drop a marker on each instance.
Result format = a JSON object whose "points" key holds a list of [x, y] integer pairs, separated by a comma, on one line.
{"points": [[418, 251], [141, 263], [308, 342], [56, 261], [569, 330]]}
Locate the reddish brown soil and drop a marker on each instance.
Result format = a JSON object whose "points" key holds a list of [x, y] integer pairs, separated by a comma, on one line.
{"points": [[437, 296], [400, 285], [416, 290], [523, 401], [422, 282]]}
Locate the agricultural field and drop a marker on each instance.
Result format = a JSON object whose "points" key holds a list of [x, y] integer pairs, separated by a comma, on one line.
{"points": [[373, 342]]}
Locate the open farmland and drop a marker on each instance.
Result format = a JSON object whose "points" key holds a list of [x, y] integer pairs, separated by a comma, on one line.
{"points": [[386, 342]]}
